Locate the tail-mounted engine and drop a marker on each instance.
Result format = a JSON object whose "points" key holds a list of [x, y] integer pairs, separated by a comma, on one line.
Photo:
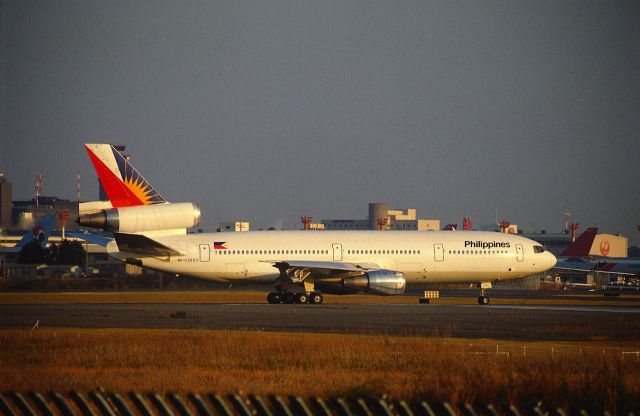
{"points": [[144, 218]]}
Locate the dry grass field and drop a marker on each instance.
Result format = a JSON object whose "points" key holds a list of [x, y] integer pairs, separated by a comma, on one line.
{"points": [[185, 297], [593, 375]]}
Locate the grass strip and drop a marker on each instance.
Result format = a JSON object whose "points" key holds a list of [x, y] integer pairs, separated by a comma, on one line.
{"points": [[437, 369]]}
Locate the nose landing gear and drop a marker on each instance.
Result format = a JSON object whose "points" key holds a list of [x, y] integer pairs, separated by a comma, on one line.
{"points": [[483, 299]]}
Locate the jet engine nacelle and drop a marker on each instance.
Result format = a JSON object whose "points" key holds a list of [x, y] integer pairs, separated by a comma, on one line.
{"points": [[143, 218], [379, 282]]}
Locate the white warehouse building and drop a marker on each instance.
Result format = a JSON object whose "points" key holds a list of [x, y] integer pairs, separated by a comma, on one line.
{"points": [[383, 218]]}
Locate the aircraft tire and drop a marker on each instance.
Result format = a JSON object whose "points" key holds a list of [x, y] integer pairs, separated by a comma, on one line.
{"points": [[315, 298], [302, 298], [483, 300], [289, 298], [274, 298]]}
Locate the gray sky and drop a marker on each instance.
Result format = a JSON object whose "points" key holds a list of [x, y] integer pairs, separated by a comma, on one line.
{"points": [[268, 110]]}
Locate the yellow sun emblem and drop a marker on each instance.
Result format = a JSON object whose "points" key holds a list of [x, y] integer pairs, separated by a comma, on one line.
{"points": [[139, 189]]}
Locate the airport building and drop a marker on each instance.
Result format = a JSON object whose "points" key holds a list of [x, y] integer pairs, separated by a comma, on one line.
{"points": [[6, 202], [554, 242], [383, 218], [25, 213], [233, 226], [508, 228], [610, 245]]}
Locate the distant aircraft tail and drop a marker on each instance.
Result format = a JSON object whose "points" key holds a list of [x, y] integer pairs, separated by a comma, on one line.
{"points": [[123, 184], [39, 233], [582, 246]]}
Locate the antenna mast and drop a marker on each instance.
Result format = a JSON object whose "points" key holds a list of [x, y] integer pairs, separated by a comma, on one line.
{"points": [[78, 183], [38, 188]]}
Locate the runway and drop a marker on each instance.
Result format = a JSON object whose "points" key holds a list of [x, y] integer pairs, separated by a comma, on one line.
{"points": [[518, 322]]}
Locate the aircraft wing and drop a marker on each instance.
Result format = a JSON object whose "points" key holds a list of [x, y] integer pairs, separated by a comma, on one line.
{"points": [[587, 267], [140, 244], [298, 271]]}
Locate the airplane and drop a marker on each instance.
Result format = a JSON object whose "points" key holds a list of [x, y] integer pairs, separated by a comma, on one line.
{"points": [[40, 233], [581, 247], [576, 258], [603, 265], [151, 232]]}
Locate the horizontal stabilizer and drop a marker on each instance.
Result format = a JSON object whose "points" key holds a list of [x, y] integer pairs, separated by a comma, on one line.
{"points": [[140, 244], [100, 240]]}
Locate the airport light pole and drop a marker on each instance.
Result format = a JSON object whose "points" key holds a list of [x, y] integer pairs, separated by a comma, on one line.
{"points": [[4, 260], [86, 258]]}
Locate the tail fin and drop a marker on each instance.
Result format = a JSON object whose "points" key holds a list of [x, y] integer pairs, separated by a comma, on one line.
{"points": [[39, 233], [582, 245], [123, 184]]}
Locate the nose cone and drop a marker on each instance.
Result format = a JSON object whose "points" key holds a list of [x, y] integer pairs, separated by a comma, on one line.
{"points": [[551, 260]]}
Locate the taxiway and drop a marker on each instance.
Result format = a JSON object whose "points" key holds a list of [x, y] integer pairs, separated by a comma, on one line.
{"points": [[515, 322]]}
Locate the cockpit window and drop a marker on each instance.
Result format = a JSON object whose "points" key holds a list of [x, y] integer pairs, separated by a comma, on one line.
{"points": [[538, 249]]}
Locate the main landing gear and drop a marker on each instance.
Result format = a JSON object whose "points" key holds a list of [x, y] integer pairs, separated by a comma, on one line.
{"points": [[299, 298]]}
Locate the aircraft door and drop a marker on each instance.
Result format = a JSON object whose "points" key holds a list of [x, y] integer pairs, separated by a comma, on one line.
{"points": [[438, 252], [520, 252], [204, 252], [337, 252]]}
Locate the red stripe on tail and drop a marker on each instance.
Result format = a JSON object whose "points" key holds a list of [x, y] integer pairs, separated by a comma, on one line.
{"points": [[118, 193]]}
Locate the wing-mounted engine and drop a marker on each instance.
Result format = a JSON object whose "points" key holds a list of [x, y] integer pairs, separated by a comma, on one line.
{"points": [[378, 282], [340, 278], [141, 218]]}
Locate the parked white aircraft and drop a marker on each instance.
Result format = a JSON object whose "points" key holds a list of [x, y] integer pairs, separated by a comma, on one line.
{"points": [[150, 232]]}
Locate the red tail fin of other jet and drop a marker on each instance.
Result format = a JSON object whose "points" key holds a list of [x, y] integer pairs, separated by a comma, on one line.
{"points": [[582, 245]]}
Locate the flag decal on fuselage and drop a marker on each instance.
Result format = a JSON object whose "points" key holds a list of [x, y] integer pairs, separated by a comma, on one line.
{"points": [[219, 245]]}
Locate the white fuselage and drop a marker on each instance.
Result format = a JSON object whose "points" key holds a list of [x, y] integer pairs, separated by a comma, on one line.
{"points": [[423, 256]]}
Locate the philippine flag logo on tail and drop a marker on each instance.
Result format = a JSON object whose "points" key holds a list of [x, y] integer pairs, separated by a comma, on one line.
{"points": [[219, 245]]}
